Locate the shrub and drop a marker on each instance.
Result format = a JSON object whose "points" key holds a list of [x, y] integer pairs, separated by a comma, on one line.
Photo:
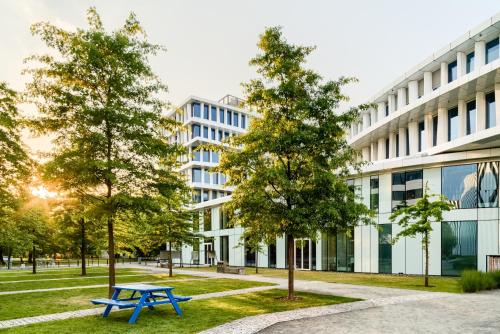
{"points": [[473, 280]]}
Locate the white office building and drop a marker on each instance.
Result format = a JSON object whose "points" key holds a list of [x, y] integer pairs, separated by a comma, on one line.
{"points": [[437, 124]]}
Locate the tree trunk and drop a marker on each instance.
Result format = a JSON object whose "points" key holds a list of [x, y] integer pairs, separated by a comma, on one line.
{"points": [[83, 247], [256, 261], [426, 241], [2, 262], [291, 267], [170, 259], [30, 257], [111, 256], [9, 256], [34, 259]]}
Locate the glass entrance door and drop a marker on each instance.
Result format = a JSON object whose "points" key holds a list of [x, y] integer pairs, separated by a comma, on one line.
{"points": [[303, 254], [209, 253]]}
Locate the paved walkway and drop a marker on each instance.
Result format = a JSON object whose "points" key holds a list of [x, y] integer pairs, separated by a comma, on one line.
{"points": [[66, 278]]}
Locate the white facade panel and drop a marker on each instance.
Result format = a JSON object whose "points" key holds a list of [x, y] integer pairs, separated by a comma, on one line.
{"points": [[385, 185], [373, 249], [414, 255], [398, 252], [487, 241], [435, 249], [358, 251], [365, 249]]}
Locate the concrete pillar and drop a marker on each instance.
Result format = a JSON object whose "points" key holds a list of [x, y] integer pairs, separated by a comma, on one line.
{"points": [[380, 110], [391, 100], [412, 91], [427, 83], [381, 149], [401, 98], [480, 111], [428, 130], [497, 103], [188, 113], [413, 133], [479, 54], [366, 119], [461, 64], [462, 118], [392, 145], [402, 142], [442, 131], [365, 153], [373, 151], [444, 74], [373, 116]]}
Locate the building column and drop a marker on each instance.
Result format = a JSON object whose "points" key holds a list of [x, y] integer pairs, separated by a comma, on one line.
{"points": [[412, 91], [373, 151], [373, 116], [366, 119], [413, 134], [401, 98], [188, 112], [480, 111], [444, 74], [461, 64], [479, 54], [428, 124], [402, 142], [391, 100], [392, 145], [497, 103], [427, 83], [381, 149], [365, 153], [380, 110], [462, 118], [442, 131]]}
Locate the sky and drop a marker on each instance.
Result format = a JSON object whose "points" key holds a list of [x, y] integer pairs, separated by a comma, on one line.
{"points": [[209, 42]]}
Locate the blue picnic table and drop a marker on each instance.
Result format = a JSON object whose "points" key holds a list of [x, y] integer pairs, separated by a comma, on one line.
{"points": [[142, 295]]}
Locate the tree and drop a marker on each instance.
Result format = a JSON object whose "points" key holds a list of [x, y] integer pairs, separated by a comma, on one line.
{"points": [[101, 101], [15, 165], [416, 219], [290, 172]]}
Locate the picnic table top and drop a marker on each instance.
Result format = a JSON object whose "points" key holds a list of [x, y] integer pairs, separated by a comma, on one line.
{"points": [[142, 287]]}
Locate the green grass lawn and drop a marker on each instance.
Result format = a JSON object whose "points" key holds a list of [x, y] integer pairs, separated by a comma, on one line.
{"points": [[38, 303], [198, 315], [438, 283]]}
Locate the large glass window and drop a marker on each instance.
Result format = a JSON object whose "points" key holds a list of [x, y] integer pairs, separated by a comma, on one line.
{"points": [[471, 117], [236, 119], [196, 177], [206, 156], [374, 197], [407, 137], [345, 251], [249, 256], [272, 255], [215, 157], [213, 113], [205, 111], [223, 219], [196, 154], [387, 148], [212, 134], [434, 130], [385, 249], [487, 179], [458, 247], [490, 110], [205, 132], [397, 145], [206, 195], [329, 251], [197, 195], [421, 136], [229, 118], [207, 219], [452, 71], [206, 176], [195, 110], [195, 130], [491, 50], [459, 185], [243, 121], [452, 124], [221, 115], [224, 248], [469, 67], [406, 188]]}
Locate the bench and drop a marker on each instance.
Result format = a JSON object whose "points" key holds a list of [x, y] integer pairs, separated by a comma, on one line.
{"points": [[119, 303], [222, 267], [177, 298]]}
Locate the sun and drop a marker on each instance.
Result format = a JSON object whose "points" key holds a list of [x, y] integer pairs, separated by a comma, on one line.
{"points": [[42, 192]]}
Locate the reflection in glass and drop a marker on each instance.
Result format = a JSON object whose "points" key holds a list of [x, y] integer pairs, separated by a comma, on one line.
{"points": [[471, 117], [345, 252], [452, 124], [329, 252], [458, 247], [374, 193], [459, 185], [385, 249], [272, 255], [487, 180]]}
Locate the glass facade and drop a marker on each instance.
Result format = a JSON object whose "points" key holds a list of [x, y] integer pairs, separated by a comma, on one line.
{"points": [[229, 118], [195, 130], [385, 249], [458, 247], [224, 248], [471, 117], [469, 66], [491, 50], [459, 185], [421, 136], [195, 110], [406, 188], [374, 194], [487, 180], [196, 177], [345, 252], [249, 256], [213, 114], [205, 111], [452, 124], [223, 219], [243, 121], [490, 110], [452, 71], [236, 118], [207, 219]]}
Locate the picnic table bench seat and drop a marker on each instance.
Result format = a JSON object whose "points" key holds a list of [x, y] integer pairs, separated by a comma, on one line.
{"points": [[177, 298], [119, 303]]}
